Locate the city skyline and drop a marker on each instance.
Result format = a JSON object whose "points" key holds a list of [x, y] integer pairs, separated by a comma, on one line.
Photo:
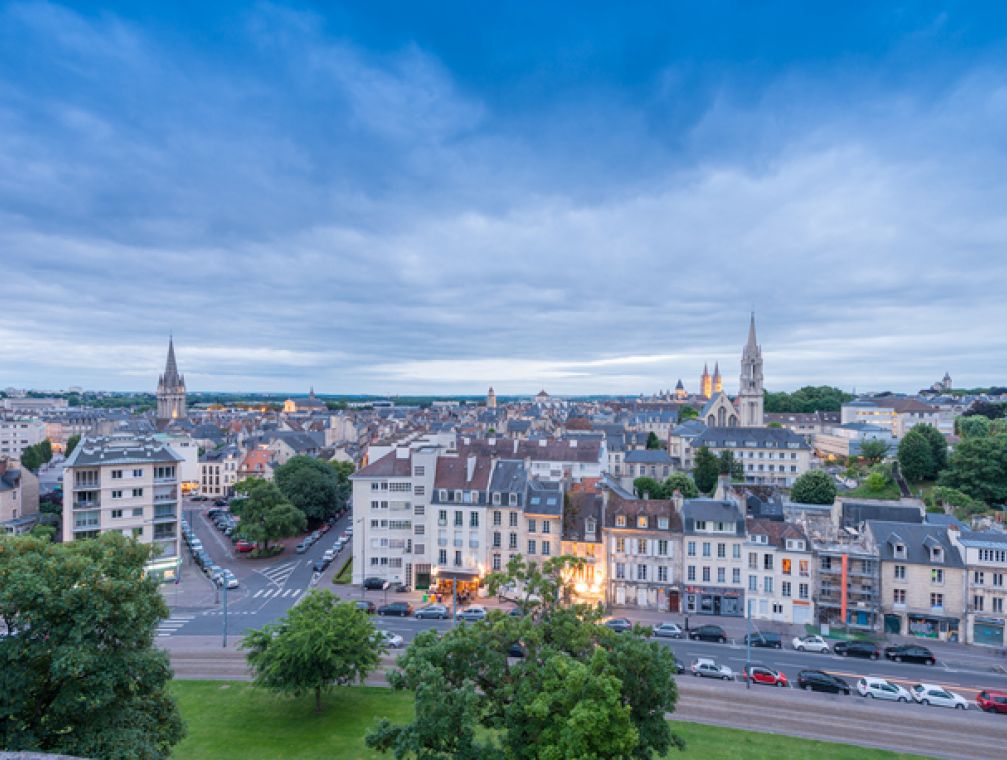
{"points": [[371, 201]]}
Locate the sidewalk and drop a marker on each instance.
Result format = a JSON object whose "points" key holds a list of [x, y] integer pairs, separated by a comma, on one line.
{"points": [[193, 591]]}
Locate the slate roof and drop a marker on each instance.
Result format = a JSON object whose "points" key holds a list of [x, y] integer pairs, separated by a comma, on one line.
{"points": [[983, 539], [452, 473], [509, 476], [752, 437], [689, 429], [389, 466], [648, 456], [583, 507], [855, 513], [102, 450], [711, 510], [544, 498], [917, 539], [650, 508], [777, 533]]}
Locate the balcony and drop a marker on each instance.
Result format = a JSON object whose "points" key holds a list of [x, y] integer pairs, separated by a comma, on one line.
{"points": [[168, 548], [85, 504]]}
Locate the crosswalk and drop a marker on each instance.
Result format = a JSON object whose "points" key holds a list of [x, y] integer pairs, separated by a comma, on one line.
{"points": [[280, 573], [276, 593], [171, 624]]}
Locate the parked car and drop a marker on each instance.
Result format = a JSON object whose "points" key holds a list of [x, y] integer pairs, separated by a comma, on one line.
{"points": [[679, 665], [764, 675], [863, 649], [708, 633], [324, 528], [516, 650], [367, 606], [301, 547], [373, 584], [349, 531], [810, 644], [765, 640], [398, 609], [930, 694], [471, 614], [432, 612], [910, 653], [819, 680], [879, 688], [668, 631], [219, 503], [320, 565], [329, 555], [707, 668], [992, 701], [619, 625], [516, 612], [244, 546], [392, 640]]}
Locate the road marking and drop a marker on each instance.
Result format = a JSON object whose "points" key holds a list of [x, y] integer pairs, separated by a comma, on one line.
{"points": [[279, 574], [296, 592], [286, 593], [257, 593]]}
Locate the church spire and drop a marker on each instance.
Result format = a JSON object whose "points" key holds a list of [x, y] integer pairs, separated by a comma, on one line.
{"points": [[170, 367], [752, 344]]}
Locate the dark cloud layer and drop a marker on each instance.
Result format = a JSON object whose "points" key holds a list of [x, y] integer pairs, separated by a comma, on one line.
{"points": [[308, 197]]}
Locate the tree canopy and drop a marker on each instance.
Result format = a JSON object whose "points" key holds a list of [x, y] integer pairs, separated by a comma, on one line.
{"points": [[310, 485], [916, 458], [705, 470], [579, 692], [655, 489], [687, 413], [978, 467], [810, 398], [653, 442], [814, 487], [265, 514], [33, 457], [873, 450], [976, 426], [71, 444], [320, 643], [79, 674]]}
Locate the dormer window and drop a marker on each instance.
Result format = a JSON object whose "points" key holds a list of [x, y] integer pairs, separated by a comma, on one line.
{"points": [[641, 521], [458, 496], [937, 554], [443, 495], [758, 538], [496, 498], [512, 499], [590, 526], [662, 523], [620, 521], [900, 551]]}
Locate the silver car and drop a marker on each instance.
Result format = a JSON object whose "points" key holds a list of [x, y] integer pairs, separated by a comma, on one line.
{"points": [[879, 688], [668, 631]]}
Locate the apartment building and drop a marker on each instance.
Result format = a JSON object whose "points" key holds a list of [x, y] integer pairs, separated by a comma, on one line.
{"points": [[985, 557], [18, 434], [780, 572], [643, 542], [899, 414], [922, 579], [714, 539], [583, 538], [769, 456], [218, 471], [128, 484], [847, 582], [18, 497]]}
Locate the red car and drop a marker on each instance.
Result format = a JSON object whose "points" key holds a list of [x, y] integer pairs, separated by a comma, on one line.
{"points": [[244, 546], [992, 701], [324, 528], [764, 675]]}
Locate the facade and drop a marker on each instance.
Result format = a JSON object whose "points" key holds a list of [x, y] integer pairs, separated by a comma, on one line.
{"points": [[491, 399], [309, 404], [127, 484], [808, 424], [985, 557], [646, 463], [18, 497], [847, 583], [643, 541], [922, 579], [750, 393], [713, 537], [171, 403], [898, 414], [844, 441], [771, 456], [18, 434], [780, 572], [218, 472], [582, 538]]}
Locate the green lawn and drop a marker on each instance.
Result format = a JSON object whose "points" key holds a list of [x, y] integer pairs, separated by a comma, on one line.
{"points": [[890, 491], [232, 719], [345, 573]]}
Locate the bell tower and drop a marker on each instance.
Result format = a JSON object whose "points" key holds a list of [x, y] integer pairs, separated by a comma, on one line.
{"points": [[750, 395]]}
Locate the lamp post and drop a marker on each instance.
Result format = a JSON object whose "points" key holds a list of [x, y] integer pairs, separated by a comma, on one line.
{"points": [[363, 540], [224, 584], [748, 644]]}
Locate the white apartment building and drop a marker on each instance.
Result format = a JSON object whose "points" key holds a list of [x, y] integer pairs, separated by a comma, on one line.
{"points": [[899, 414], [714, 540], [780, 572], [770, 456], [128, 484], [18, 434], [218, 471], [985, 557]]}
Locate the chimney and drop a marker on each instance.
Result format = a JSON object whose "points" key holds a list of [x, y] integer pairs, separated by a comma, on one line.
{"points": [[470, 468], [677, 500], [723, 487], [515, 445]]}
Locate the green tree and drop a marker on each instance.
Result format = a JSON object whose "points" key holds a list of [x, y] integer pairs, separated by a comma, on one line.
{"points": [[321, 643], [978, 468], [916, 458], [822, 398], [581, 691], [265, 514], [687, 413], [79, 674], [878, 481], [653, 442], [814, 487], [728, 465], [345, 487], [938, 447], [873, 450], [705, 470], [681, 482], [71, 444], [975, 426], [648, 488], [33, 457], [310, 485]]}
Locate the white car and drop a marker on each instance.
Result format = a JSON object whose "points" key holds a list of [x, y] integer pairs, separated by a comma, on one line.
{"points": [[879, 688], [708, 668], [668, 631], [392, 640], [810, 644], [473, 613], [930, 694], [329, 555]]}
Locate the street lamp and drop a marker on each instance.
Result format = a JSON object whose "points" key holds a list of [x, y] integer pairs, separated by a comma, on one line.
{"points": [[748, 644]]}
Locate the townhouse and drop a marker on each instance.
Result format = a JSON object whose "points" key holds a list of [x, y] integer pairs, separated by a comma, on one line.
{"points": [[770, 456], [847, 584], [985, 557], [714, 539], [583, 539], [780, 572], [18, 497], [18, 434], [218, 471]]}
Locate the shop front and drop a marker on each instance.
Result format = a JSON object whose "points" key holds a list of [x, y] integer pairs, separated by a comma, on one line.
{"points": [[166, 570], [445, 585], [988, 631], [932, 626], [711, 600]]}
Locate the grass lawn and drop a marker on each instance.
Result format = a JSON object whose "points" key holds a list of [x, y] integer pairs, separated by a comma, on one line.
{"points": [[345, 573], [232, 719], [890, 491]]}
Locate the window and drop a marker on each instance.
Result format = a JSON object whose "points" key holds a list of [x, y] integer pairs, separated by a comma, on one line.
{"points": [[116, 494], [546, 548], [691, 548], [641, 572], [998, 579], [722, 550], [512, 520], [497, 539], [497, 517], [691, 572], [137, 511], [620, 544], [620, 571], [116, 474], [546, 526], [802, 590], [700, 524], [662, 523], [706, 574], [458, 559], [137, 532], [721, 574], [998, 604], [531, 546], [736, 576], [442, 557], [458, 496], [620, 521], [662, 573], [706, 548], [736, 551], [662, 548], [900, 572], [512, 541], [641, 546], [900, 551], [977, 602], [138, 473], [785, 588], [787, 563], [473, 519], [753, 560], [937, 600], [418, 490], [767, 561], [512, 499], [978, 577], [459, 519], [753, 583], [937, 576], [767, 585], [496, 559], [116, 514], [442, 517]]}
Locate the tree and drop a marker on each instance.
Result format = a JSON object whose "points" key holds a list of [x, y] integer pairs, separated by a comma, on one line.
{"points": [[873, 450], [987, 409], [975, 426], [648, 488], [728, 465], [822, 398], [687, 413], [79, 674], [915, 456], [345, 487], [705, 470], [310, 485], [938, 447], [71, 444], [978, 468], [33, 457], [653, 442], [265, 514], [814, 487], [581, 691], [681, 482], [321, 643]]}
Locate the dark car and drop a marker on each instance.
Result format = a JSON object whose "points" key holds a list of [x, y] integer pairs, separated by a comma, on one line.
{"points": [[708, 633], [679, 665], [766, 640], [398, 609], [374, 583], [992, 701], [516, 612], [910, 653], [320, 565], [219, 503], [366, 606], [818, 680], [516, 650], [862, 649], [619, 625]]}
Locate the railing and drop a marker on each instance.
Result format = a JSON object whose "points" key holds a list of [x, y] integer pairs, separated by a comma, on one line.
{"points": [[85, 504]]}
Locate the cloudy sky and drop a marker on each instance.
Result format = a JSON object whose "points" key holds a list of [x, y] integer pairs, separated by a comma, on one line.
{"points": [[432, 198]]}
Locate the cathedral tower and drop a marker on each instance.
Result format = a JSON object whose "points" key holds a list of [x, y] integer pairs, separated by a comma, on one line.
{"points": [[171, 389], [706, 383], [750, 400], [718, 381], [491, 399]]}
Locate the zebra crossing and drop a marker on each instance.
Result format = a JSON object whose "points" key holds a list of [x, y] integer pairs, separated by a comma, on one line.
{"points": [[171, 624], [280, 573], [276, 593]]}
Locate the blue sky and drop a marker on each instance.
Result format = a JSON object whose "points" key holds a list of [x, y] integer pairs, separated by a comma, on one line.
{"points": [[433, 198]]}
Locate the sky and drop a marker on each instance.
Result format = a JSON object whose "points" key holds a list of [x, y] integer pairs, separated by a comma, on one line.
{"points": [[438, 197]]}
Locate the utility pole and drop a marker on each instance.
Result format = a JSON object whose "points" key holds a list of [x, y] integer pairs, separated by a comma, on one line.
{"points": [[224, 584], [748, 644]]}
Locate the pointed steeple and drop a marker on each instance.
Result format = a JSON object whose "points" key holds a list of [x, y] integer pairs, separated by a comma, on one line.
{"points": [[170, 367], [752, 343]]}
